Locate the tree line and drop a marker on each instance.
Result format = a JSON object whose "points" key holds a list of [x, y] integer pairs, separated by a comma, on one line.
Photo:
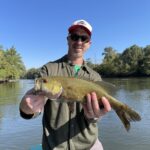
{"points": [[133, 61]]}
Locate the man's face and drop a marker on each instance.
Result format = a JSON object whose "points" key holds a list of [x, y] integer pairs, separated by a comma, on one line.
{"points": [[78, 41]]}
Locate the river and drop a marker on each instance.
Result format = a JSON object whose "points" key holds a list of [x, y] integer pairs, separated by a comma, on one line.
{"points": [[19, 134]]}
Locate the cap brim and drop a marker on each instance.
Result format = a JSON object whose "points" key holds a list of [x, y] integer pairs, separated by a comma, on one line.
{"points": [[72, 28]]}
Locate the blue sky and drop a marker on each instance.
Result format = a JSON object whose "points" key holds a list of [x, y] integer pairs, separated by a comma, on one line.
{"points": [[38, 28]]}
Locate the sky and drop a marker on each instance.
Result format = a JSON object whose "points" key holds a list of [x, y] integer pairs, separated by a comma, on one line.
{"points": [[38, 28]]}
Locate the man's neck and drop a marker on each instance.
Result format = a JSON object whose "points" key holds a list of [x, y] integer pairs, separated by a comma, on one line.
{"points": [[76, 61]]}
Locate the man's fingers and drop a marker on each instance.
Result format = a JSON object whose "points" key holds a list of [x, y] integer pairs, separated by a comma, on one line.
{"points": [[92, 108], [106, 104], [89, 104], [88, 107], [95, 104]]}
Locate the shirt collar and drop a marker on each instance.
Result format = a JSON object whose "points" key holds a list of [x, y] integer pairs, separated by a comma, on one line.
{"points": [[66, 61]]}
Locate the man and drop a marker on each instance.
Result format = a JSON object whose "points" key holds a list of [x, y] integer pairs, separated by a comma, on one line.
{"points": [[69, 126]]}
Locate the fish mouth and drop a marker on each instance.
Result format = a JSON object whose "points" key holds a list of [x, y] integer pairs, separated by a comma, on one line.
{"points": [[40, 92]]}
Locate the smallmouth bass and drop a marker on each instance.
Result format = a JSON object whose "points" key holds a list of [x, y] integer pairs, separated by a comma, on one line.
{"points": [[75, 90]]}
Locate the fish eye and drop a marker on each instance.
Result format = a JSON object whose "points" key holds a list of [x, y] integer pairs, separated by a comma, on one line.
{"points": [[44, 81]]}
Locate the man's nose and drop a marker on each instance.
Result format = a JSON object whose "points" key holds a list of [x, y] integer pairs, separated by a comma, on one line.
{"points": [[79, 40]]}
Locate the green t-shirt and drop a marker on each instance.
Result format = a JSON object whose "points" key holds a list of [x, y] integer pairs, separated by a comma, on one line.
{"points": [[76, 69]]}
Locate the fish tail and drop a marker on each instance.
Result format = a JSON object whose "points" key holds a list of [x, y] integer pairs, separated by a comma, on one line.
{"points": [[126, 115]]}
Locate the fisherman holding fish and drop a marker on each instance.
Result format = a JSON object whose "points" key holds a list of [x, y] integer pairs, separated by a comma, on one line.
{"points": [[69, 125]]}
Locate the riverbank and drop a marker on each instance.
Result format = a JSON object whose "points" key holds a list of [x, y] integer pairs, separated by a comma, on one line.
{"points": [[3, 81], [6, 80]]}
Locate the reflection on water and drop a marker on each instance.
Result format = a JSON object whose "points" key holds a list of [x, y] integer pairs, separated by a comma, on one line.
{"points": [[131, 84], [19, 134], [15, 132], [136, 93]]}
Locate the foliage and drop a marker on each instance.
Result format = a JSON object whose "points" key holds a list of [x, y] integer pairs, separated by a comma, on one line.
{"points": [[145, 62], [133, 61], [11, 65], [32, 73]]}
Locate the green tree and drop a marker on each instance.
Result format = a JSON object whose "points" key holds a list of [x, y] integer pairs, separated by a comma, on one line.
{"points": [[110, 62], [2, 64], [13, 65], [32, 73], [109, 55], [131, 58], [145, 62]]}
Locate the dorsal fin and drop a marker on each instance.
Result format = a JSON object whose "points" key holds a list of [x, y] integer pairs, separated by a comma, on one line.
{"points": [[108, 87]]}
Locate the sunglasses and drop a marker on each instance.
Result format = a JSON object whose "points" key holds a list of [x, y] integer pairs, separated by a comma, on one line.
{"points": [[76, 37]]}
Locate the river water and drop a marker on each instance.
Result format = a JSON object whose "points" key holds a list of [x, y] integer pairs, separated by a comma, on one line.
{"points": [[19, 134]]}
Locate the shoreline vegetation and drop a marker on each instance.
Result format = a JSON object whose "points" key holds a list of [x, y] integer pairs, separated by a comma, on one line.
{"points": [[12, 67], [134, 61], [3, 81], [7, 81]]}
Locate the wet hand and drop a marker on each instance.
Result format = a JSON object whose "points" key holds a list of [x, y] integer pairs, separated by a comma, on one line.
{"points": [[92, 109], [31, 103]]}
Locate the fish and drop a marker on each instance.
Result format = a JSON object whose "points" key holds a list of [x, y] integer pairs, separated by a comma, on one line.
{"points": [[73, 89]]}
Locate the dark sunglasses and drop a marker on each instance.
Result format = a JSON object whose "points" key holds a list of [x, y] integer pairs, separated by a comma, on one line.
{"points": [[76, 37]]}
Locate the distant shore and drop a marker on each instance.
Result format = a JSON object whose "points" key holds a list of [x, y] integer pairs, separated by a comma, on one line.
{"points": [[7, 80], [3, 81]]}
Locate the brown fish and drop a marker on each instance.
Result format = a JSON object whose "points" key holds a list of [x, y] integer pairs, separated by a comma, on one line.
{"points": [[75, 90]]}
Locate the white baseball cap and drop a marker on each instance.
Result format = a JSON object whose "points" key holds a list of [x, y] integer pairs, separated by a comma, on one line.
{"points": [[81, 23]]}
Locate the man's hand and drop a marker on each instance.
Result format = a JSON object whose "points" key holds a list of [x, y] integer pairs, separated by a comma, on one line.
{"points": [[31, 103], [92, 109]]}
